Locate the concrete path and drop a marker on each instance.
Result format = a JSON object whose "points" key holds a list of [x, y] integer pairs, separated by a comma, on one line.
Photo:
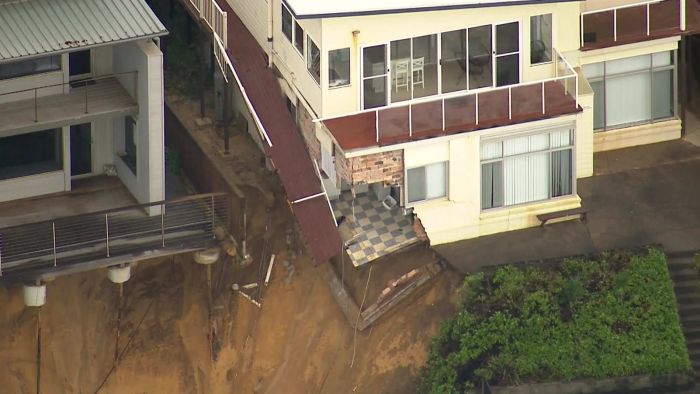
{"points": [[656, 202]]}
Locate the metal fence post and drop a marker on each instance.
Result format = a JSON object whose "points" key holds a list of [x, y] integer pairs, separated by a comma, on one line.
{"points": [[107, 232], [510, 103], [53, 230], [212, 216], [476, 108], [36, 109], [162, 223], [86, 97]]}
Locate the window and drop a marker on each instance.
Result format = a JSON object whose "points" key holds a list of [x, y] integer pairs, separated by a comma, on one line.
{"points": [[633, 90], [526, 169], [79, 63], [313, 60], [31, 154], [291, 107], [540, 39], [298, 38], [414, 66], [286, 23], [427, 182], [130, 135], [28, 67], [339, 67]]}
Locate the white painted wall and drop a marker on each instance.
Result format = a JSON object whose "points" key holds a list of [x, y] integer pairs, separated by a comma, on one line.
{"points": [[148, 184]]}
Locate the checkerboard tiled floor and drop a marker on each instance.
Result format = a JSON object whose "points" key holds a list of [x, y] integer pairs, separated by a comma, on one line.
{"points": [[378, 231]]}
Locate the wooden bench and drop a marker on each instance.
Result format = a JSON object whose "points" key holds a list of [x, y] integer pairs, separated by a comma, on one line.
{"points": [[565, 214]]}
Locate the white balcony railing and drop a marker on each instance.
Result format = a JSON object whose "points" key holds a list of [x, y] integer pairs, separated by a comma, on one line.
{"points": [[471, 110], [213, 16], [628, 21]]}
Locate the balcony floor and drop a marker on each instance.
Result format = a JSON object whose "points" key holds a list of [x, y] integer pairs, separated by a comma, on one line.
{"points": [[88, 195], [358, 131], [106, 97]]}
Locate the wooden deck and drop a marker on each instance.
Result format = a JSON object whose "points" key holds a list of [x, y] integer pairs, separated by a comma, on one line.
{"points": [[360, 131], [664, 21], [105, 97]]}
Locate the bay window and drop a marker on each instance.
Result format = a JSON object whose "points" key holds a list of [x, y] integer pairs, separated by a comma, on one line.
{"points": [[427, 182], [527, 168], [632, 90]]}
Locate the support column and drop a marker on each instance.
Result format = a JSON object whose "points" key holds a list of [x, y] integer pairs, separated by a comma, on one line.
{"points": [[683, 82]]}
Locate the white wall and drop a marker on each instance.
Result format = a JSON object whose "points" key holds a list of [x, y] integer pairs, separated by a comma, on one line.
{"points": [[148, 184], [253, 13]]}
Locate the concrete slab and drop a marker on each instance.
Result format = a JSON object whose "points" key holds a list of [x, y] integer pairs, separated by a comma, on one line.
{"points": [[88, 195], [659, 203]]}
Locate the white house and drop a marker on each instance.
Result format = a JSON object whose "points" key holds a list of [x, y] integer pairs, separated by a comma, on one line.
{"points": [[81, 93]]}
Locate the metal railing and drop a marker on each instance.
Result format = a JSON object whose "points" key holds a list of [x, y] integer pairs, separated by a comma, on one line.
{"points": [[112, 233], [213, 16], [512, 102], [82, 88], [641, 19]]}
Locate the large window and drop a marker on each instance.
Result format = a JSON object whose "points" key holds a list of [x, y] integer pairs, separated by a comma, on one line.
{"points": [[540, 38], [28, 67], [30, 154], [526, 169], [339, 67], [286, 23], [633, 90], [414, 65], [313, 60], [427, 182]]}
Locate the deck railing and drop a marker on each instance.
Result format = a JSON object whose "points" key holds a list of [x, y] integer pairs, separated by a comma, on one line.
{"points": [[430, 115], [84, 87], [213, 16], [630, 22], [112, 233]]}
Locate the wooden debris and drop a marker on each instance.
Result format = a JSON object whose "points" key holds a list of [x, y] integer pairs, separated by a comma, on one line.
{"points": [[269, 269]]}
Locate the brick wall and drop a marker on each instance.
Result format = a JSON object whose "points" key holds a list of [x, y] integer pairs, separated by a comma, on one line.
{"points": [[384, 167], [306, 125]]}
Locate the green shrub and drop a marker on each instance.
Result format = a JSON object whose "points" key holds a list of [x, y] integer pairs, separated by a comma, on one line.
{"points": [[612, 317]]}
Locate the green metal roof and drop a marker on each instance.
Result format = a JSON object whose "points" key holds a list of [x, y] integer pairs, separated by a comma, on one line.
{"points": [[37, 27]]}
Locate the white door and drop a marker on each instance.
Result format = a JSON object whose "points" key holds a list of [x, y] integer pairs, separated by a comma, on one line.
{"points": [[328, 163]]}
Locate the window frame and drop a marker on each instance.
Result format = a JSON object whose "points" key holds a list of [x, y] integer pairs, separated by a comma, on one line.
{"points": [[650, 70], [549, 150], [296, 26], [550, 50], [409, 203], [290, 38], [349, 63], [58, 66], [309, 58]]}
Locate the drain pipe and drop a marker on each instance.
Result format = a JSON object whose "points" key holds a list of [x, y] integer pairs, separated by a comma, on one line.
{"points": [[269, 33]]}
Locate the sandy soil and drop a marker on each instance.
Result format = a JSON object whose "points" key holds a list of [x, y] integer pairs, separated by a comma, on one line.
{"points": [[298, 342]]}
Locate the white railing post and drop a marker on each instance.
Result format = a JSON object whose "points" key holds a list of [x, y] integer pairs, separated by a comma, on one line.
{"points": [[648, 5], [1, 246], [681, 4], [376, 123], [576, 89], [443, 114], [543, 105], [410, 121], [615, 25], [107, 232], [213, 217], [476, 108], [582, 42], [510, 103], [53, 231]]}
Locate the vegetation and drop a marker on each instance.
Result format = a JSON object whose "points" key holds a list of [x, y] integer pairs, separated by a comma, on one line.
{"points": [[183, 49], [612, 317]]}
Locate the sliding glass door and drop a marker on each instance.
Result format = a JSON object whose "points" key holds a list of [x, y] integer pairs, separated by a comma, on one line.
{"points": [[480, 57], [453, 65], [507, 54], [374, 76]]}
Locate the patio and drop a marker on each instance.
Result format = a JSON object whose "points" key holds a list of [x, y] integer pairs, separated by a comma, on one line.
{"points": [[639, 196], [372, 230]]}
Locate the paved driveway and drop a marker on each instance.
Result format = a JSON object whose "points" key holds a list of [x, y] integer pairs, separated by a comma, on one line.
{"points": [[655, 202]]}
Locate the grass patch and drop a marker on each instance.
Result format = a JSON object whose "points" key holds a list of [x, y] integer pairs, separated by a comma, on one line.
{"points": [[614, 316]]}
